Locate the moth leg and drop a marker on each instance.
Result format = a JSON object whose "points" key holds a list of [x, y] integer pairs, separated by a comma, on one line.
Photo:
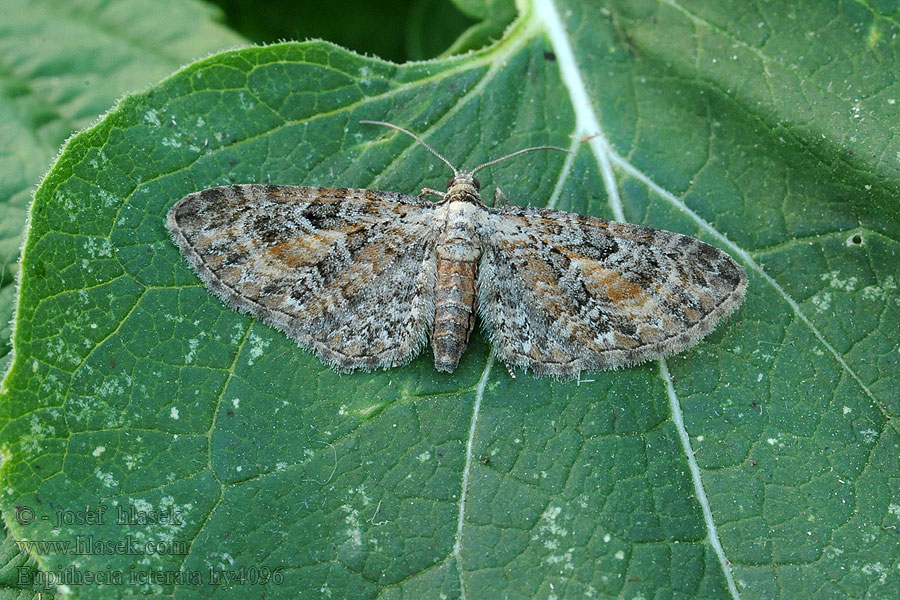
{"points": [[500, 198], [430, 192], [509, 369]]}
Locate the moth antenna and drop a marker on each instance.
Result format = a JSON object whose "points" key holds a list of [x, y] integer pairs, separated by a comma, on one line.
{"points": [[518, 152], [415, 137]]}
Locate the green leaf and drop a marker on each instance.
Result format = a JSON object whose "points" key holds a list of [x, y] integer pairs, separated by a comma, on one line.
{"points": [[762, 463], [65, 64]]}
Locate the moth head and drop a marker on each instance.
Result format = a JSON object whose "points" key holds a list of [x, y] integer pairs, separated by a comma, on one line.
{"points": [[464, 178]]}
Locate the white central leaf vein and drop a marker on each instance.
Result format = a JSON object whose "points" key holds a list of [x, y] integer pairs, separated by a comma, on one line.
{"points": [[587, 123], [467, 469]]}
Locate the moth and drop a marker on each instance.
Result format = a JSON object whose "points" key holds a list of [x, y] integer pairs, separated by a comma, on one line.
{"points": [[364, 278]]}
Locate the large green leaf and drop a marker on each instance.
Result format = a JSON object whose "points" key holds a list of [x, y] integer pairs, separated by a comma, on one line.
{"points": [[64, 64], [763, 463]]}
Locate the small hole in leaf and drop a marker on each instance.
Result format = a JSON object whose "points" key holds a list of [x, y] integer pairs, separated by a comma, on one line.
{"points": [[855, 240]]}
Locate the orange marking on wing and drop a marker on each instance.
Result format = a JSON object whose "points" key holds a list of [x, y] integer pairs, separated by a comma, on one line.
{"points": [[536, 270], [617, 288], [292, 253], [539, 271], [310, 248], [285, 254], [370, 260]]}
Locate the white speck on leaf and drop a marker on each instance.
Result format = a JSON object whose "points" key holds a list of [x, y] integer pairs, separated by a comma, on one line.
{"points": [[98, 247], [834, 280], [106, 479], [193, 344], [882, 292], [822, 301], [152, 118], [876, 569], [257, 346], [354, 531]]}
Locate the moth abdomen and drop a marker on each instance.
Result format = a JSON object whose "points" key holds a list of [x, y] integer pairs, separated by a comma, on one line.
{"points": [[454, 311]]}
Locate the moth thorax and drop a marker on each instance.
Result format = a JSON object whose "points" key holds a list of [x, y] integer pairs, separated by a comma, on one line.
{"points": [[463, 187]]}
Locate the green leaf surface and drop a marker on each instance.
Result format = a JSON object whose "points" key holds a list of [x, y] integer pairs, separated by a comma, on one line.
{"points": [[64, 64], [763, 463]]}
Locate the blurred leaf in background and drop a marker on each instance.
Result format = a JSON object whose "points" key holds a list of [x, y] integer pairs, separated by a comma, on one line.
{"points": [[395, 30]]}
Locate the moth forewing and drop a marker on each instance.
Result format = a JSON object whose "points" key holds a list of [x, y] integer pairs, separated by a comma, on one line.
{"points": [[364, 277]]}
